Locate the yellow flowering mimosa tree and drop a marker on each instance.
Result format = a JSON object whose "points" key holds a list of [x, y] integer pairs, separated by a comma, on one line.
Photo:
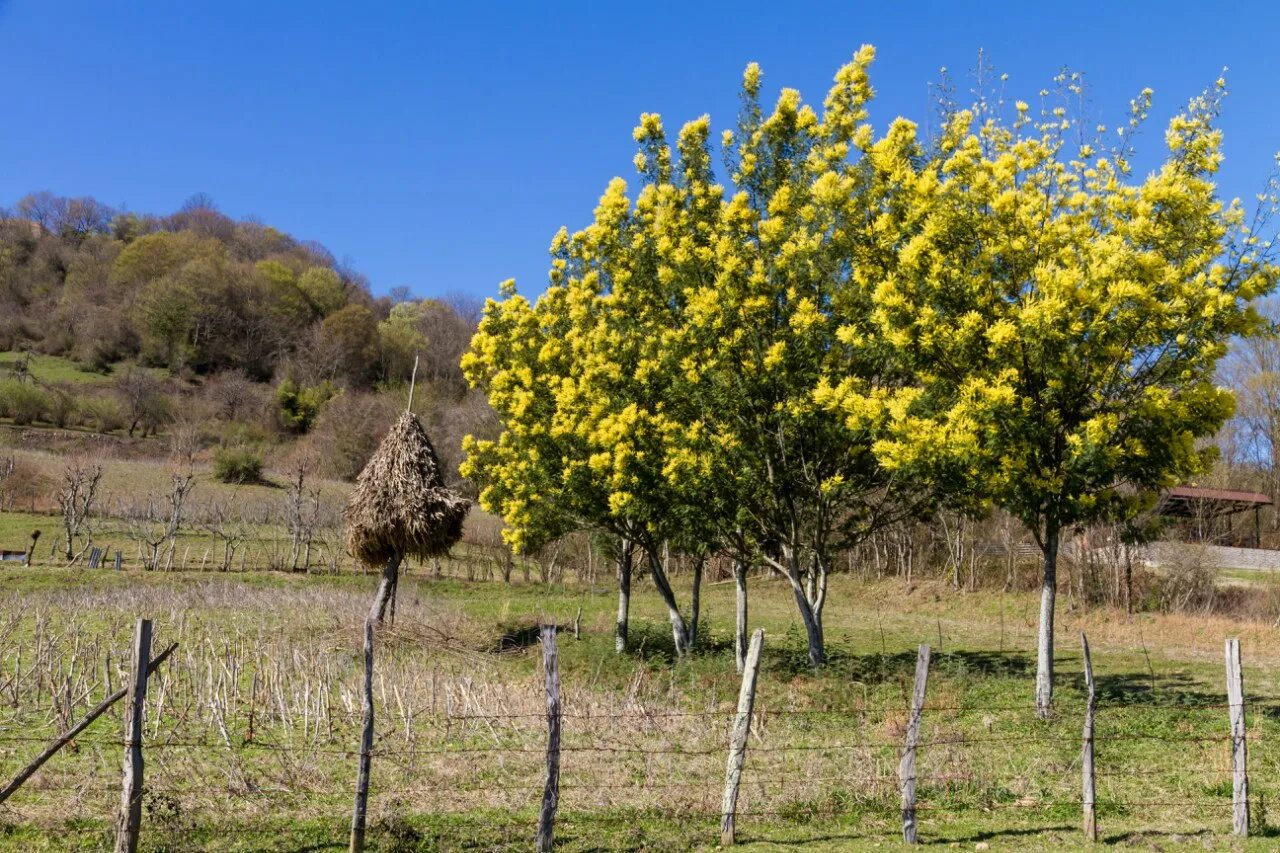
{"points": [[1062, 318]]}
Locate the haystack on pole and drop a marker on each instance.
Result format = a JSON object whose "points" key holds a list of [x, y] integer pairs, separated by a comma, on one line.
{"points": [[400, 508]]}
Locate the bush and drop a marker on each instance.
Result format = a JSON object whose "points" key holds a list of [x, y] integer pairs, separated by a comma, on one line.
{"points": [[24, 403], [1188, 581], [237, 465], [63, 408], [349, 430], [105, 414], [298, 405]]}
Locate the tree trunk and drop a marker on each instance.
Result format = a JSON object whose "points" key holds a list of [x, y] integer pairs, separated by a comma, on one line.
{"points": [[696, 603], [679, 630], [1128, 579], [810, 609], [812, 628], [386, 588], [1048, 595], [624, 597], [740, 632]]}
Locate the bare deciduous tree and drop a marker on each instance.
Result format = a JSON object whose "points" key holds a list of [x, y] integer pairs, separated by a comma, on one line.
{"points": [[76, 499], [156, 522], [227, 527], [302, 516]]}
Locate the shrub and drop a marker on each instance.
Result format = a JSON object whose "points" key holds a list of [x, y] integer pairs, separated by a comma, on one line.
{"points": [[1188, 581], [62, 407], [24, 403], [349, 430], [298, 405], [105, 414], [237, 465]]}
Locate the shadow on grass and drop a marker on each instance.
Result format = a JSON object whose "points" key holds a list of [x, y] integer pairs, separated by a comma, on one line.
{"points": [[1176, 690], [1152, 836], [881, 667], [993, 835]]}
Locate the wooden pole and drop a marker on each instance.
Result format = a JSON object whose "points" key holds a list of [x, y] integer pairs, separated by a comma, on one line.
{"points": [[907, 768], [1089, 791], [738, 740], [366, 745], [551, 791], [71, 733], [413, 380], [130, 821], [1239, 747]]}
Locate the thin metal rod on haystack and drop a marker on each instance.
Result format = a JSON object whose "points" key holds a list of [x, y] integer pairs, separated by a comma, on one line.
{"points": [[400, 508]]}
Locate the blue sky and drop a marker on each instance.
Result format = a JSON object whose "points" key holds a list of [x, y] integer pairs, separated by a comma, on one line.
{"points": [[439, 145]]}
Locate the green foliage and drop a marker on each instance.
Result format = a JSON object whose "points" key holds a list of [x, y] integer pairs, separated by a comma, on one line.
{"points": [[105, 414], [298, 406], [23, 402], [237, 465]]}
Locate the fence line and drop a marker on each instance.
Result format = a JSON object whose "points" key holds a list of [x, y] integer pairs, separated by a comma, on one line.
{"points": [[396, 748]]}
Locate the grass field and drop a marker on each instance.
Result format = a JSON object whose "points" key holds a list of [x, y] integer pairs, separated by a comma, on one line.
{"points": [[48, 368], [251, 725]]}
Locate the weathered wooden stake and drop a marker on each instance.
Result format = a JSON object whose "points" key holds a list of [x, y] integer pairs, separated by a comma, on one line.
{"points": [[1089, 791], [551, 791], [907, 768], [577, 624], [71, 733], [738, 740], [1239, 748], [366, 744], [130, 820]]}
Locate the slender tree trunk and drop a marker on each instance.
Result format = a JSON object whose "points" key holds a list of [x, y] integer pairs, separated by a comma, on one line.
{"points": [[740, 632], [386, 588], [1128, 579], [1048, 595], [810, 608], [812, 628], [624, 597], [696, 604], [679, 630]]}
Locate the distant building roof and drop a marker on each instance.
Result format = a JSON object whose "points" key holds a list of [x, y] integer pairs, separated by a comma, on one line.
{"points": [[1193, 500]]}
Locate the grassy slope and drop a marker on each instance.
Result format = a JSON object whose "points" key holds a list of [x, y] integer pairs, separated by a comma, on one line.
{"points": [[50, 368], [873, 629]]}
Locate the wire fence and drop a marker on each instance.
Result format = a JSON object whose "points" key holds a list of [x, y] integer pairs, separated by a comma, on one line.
{"points": [[805, 767]]}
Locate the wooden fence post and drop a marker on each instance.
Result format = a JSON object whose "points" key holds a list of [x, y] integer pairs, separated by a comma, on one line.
{"points": [[907, 767], [551, 791], [1089, 792], [130, 821], [738, 740], [366, 744], [1239, 747]]}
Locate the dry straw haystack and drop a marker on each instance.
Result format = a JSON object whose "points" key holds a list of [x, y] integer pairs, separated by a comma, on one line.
{"points": [[401, 507]]}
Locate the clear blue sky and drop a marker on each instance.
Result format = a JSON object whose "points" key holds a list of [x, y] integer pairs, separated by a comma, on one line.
{"points": [[439, 145]]}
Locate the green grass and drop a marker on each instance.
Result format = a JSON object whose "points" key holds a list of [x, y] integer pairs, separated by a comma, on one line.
{"points": [[820, 764], [49, 369]]}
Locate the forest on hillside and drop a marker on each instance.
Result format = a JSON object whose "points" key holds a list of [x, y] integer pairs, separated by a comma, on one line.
{"points": [[256, 336]]}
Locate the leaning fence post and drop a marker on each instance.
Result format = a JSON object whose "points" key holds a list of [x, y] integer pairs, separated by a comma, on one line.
{"points": [[551, 791], [130, 821], [1239, 748], [907, 768], [738, 740], [1089, 792]]}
